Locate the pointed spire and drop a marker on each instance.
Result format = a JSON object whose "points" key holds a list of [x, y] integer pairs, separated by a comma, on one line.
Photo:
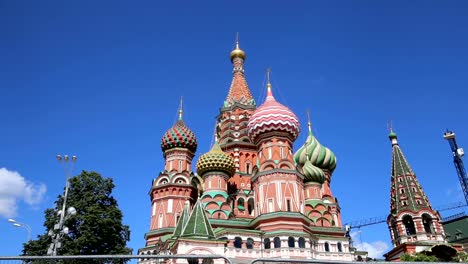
{"points": [[239, 91], [309, 124], [407, 193], [182, 220], [181, 111], [269, 92], [198, 225]]}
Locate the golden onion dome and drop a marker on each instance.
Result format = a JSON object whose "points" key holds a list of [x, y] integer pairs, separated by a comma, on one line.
{"points": [[216, 160], [237, 52]]}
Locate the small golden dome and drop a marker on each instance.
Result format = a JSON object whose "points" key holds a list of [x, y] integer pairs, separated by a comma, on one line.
{"points": [[237, 52]]}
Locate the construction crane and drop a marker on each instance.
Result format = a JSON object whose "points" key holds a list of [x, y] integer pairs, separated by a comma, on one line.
{"points": [[457, 155]]}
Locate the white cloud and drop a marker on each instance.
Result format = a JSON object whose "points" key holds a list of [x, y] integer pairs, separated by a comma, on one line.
{"points": [[14, 188], [375, 249]]}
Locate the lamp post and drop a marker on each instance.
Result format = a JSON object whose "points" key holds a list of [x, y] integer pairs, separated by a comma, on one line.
{"points": [[59, 229], [23, 225]]}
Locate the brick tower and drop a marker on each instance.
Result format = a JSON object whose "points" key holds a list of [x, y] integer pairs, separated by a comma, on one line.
{"points": [[414, 225]]}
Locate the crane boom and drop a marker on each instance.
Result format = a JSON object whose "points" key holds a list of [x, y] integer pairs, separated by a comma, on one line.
{"points": [[457, 160]]}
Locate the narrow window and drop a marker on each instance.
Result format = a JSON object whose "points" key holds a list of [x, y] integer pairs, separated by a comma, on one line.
{"points": [[238, 242], [409, 225], [301, 242], [249, 243], [240, 204], [288, 205], [169, 205], [402, 190], [291, 242], [270, 205], [427, 223], [266, 243], [277, 242], [327, 247], [219, 183], [340, 248], [247, 168], [180, 165], [160, 220]]}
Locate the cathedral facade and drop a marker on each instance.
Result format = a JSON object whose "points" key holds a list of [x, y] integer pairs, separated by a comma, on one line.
{"points": [[252, 195]]}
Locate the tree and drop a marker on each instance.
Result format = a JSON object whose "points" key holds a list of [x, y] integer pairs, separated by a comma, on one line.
{"points": [[97, 227]]}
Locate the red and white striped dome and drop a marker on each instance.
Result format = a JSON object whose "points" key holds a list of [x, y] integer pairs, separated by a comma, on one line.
{"points": [[272, 116]]}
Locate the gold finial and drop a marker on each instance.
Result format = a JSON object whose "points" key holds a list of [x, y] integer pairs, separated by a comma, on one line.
{"points": [[309, 124], [237, 52], [181, 111]]}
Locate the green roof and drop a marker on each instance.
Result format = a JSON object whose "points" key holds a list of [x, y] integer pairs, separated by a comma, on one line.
{"points": [[198, 225], [182, 221]]}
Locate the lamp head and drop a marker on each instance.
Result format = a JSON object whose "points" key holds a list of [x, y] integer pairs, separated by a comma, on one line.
{"points": [[71, 210]]}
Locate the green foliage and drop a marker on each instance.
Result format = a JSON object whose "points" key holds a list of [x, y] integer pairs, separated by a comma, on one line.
{"points": [[461, 257], [97, 227], [418, 257]]}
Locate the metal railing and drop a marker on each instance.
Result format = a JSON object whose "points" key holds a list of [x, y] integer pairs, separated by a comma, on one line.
{"points": [[110, 259]]}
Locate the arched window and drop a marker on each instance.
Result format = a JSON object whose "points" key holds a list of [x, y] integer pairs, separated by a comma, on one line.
{"points": [[247, 168], [409, 225], [240, 204], [301, 242], [250, 243], [291, 242], [266, 243], [340, 248], [250, 206], [394, 229], [427, 223], [238, 242], [277, 242], [327, 247]]}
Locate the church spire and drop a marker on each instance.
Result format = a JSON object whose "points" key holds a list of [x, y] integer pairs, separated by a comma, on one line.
{"points": [[406, 192], [239, 91]]}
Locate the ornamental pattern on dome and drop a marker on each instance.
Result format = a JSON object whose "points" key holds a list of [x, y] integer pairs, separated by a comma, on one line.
{"points": [[318, 155], [216, 160], [312, 173], [179, 136], [273, 116]]}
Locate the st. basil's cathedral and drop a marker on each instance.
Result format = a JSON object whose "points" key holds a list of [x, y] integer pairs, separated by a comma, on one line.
{"points": [[252, 196]]}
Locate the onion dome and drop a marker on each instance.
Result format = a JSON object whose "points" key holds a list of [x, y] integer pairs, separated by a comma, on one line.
{"points": [[216, 160], [272, 116], [237, 52], [312, 173], [318, 155], [179, 136]]}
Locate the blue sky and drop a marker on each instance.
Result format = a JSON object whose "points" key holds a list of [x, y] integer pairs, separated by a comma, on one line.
{"points": [[102, 80]]}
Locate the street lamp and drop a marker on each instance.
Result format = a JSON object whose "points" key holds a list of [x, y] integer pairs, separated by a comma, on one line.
{"points": [[59, 229], [23, 225]]}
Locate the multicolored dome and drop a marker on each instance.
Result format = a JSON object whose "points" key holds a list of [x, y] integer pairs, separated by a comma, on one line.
{"points": [[216, 160], [179, 136], [312, 173], [318, 155], [273, 116]]}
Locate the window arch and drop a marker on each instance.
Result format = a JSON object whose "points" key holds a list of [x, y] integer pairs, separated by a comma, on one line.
{"points": [[240, 204], [266, 243], [250, 206], [409, 225], [394, 229], [427, 223], [327, 247], [340, 247], [301, 242], [250, 243], [277, 242], [291, 242], [238, 242]]}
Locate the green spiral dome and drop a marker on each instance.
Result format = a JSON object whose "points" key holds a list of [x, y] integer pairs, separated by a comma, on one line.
{"points": [[312, 173], [216, 160], [319, 156]]}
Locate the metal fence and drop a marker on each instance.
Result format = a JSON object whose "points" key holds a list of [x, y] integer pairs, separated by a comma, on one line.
{"points": [[164, 259]]}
